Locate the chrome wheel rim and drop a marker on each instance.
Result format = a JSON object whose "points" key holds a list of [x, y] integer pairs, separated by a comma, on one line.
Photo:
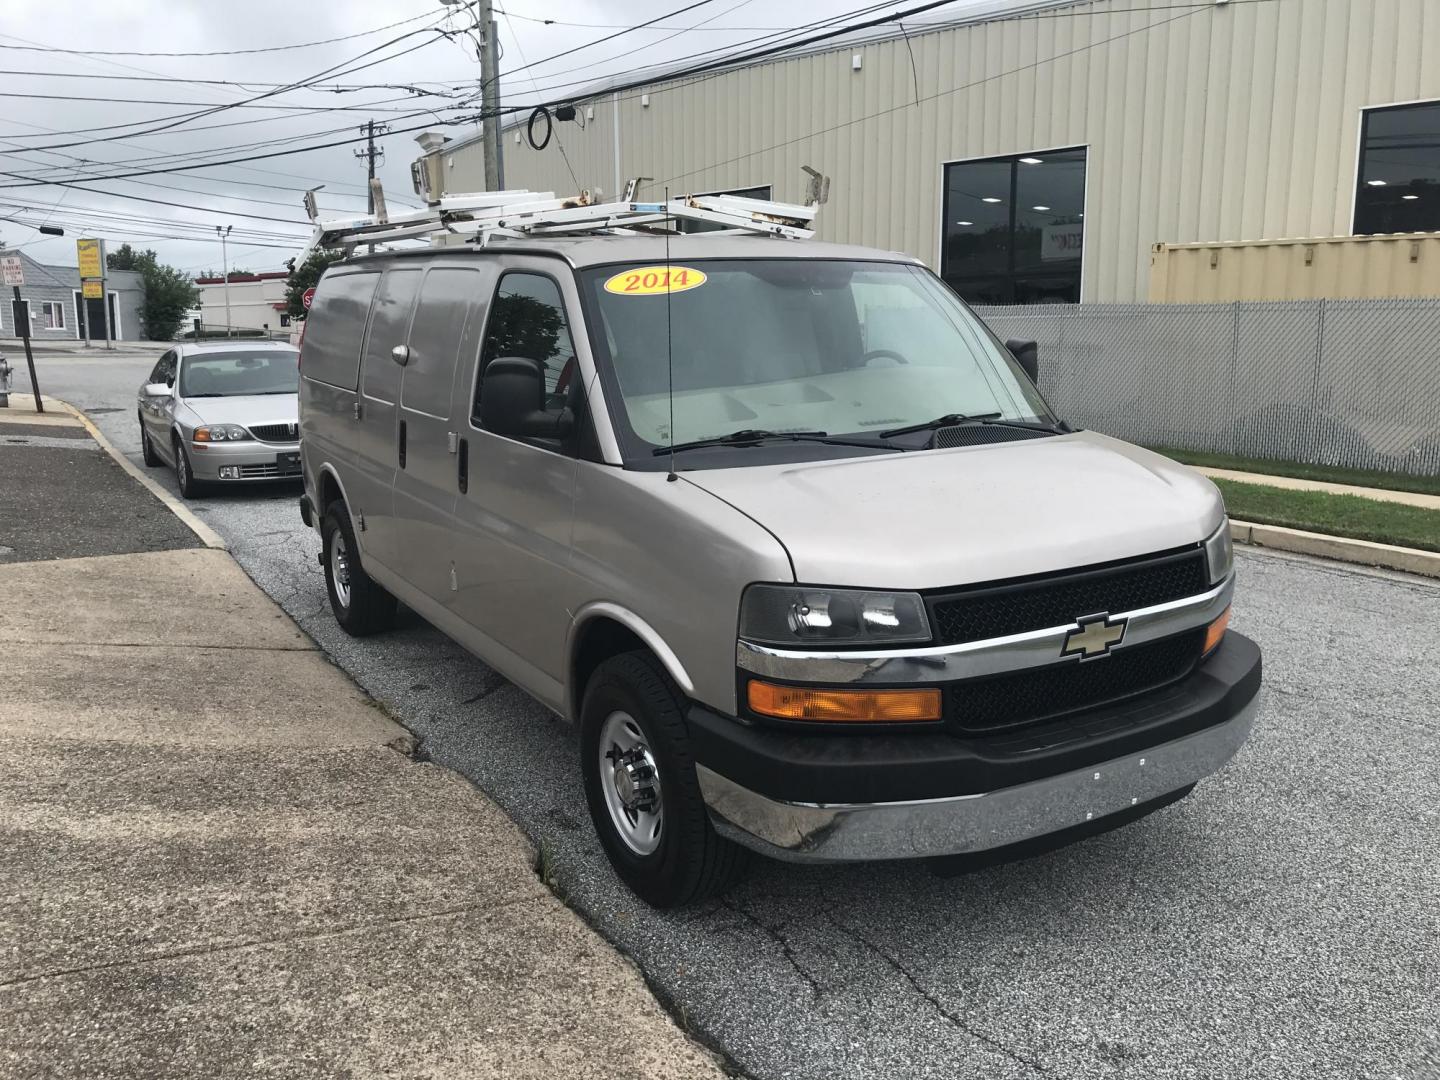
{"points": [[631, 782], [340, 568]]}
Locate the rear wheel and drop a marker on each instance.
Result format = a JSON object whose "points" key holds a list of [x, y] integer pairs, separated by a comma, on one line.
{"points": [[147, 448], [640, 783], [361, 606]]}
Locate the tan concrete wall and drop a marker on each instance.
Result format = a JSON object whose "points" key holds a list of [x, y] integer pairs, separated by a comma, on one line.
{"points": [[1204, 123]]}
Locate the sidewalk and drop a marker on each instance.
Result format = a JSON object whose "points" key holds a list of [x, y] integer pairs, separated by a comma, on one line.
{"points": [[217, 858], [1290, 483]]}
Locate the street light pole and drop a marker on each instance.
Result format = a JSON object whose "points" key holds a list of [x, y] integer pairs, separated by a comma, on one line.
{"points": [[225, 270]]}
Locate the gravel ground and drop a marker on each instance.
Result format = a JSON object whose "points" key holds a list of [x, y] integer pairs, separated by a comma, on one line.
{"points": [[1283, 921]]}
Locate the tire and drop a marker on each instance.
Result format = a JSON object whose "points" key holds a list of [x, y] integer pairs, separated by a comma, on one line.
{"points": [[190, 488], [673, 858], [361, 606], [147, 448]]}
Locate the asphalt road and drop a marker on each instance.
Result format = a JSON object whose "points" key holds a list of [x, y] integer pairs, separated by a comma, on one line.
{"points": [[1283, 921]]}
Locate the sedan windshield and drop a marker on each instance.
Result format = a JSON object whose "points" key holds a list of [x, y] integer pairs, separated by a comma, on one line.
{"points": [[795, 345], [240, 374]]}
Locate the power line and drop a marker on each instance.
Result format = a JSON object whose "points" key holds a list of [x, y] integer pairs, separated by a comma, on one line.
{"points": [[222, 52], [246, 85], [609, 37]]}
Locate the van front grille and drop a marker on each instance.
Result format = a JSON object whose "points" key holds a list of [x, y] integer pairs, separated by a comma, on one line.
{"points": [[997, 609], [978, 706]]}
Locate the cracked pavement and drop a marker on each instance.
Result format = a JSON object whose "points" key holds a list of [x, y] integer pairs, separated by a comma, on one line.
{"points": [[1282, 921]]}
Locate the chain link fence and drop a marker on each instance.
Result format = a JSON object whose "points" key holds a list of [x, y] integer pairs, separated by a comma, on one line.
{"points": [[1347, 383]]}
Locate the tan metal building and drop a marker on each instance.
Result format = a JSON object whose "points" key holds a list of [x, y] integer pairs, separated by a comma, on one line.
{"points": [[1039, 154]]}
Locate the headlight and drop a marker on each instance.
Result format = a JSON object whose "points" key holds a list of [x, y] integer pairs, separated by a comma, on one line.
{"points": [[220, 433], [1219, 553], [796, 615]]}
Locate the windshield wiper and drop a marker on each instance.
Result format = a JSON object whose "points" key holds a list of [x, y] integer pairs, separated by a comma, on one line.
{"points": [[752, 437], [954, 419]]}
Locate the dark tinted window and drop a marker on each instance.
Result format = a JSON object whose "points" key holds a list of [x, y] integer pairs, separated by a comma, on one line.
{"points": [[335, 327], [389, 324], [1399, 189], [164, 369], [527, 318], [448, 303], [1014, 228]]}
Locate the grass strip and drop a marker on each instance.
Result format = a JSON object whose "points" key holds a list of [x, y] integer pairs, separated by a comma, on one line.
{"points": [[1336, 515], [1425, 485]]}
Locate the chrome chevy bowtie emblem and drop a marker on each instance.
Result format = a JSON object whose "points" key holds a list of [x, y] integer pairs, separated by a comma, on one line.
{"points": [[1094, 635]]}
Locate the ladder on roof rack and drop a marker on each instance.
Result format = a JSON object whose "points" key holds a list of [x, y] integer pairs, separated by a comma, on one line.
{"points": [[483, 216]]}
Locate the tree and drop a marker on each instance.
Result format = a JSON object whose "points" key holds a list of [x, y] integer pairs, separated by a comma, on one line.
{"points": [[127, 258], [169, 294], [306, 276]]}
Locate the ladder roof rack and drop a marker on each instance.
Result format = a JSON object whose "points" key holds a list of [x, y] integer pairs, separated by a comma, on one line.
{"points": [[482, 216]]}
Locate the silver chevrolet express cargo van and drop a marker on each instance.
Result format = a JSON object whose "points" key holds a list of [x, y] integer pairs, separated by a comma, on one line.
{"points": [[787, 533]]}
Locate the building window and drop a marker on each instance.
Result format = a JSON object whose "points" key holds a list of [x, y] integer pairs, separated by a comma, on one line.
{"points": [[1399, 188], [52, 315], [1014, 228], [686, 226]]}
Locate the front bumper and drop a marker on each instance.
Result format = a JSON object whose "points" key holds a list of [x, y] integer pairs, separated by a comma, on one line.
{"points": [[832, 798], [244, 461]]}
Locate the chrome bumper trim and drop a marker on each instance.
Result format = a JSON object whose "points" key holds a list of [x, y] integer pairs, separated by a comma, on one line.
{"points": [[850, 832], [991, 656]]}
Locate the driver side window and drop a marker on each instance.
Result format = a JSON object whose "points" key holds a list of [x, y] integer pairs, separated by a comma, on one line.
{"points": [[164, 370], [527, 318]]}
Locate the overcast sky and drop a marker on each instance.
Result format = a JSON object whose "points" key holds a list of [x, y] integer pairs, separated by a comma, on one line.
{"points": [[271, 189]]}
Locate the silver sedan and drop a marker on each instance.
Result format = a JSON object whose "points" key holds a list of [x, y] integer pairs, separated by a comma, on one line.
{"points": [[222, 412]]}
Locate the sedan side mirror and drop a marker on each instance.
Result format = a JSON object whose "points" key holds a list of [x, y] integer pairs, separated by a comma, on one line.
{"points": [[512, 401], [157, 389], [1027, 355]]}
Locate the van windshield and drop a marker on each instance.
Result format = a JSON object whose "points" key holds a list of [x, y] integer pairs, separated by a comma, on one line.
{"points": [[794, 345]]}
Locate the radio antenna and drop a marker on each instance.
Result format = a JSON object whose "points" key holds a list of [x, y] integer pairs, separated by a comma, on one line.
{"points": [[669, 346]]}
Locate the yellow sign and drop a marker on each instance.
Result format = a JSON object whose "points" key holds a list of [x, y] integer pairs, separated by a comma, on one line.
{"points": [[92, 290], [91, 263], [655, 280]]}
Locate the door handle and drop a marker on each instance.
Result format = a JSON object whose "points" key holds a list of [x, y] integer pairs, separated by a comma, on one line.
{"points": [[402, 444], [464, 465]]}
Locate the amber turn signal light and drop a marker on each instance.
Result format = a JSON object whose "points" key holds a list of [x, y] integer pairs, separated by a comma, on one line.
{"points": [[1215, 631], [844, 706]]}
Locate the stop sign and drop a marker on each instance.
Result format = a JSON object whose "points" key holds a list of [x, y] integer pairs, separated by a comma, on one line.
{"points": [[307, 297]]}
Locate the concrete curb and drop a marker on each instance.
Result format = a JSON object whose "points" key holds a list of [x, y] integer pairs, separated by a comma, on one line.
{"points": [[1361, 552], [208, 536]]}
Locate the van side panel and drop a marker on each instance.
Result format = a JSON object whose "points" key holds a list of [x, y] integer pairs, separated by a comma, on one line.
{"points": [[375, 436], [444, 336], [329, 373]]}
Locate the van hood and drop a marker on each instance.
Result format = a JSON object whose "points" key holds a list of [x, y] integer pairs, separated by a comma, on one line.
{"points": [[255, 409], [939, 518]]}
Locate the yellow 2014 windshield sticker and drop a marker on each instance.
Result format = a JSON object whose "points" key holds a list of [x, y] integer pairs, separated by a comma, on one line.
{"points": [[654, 280]]}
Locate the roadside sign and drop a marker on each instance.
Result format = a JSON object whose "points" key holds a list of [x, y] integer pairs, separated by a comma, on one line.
{"points": [[306, 298], [92, 290], [14, 270], [20, 314], [92, 264]]}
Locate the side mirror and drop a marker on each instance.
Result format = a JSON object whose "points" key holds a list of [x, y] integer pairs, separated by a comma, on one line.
{"points": [[512, 401], [157, 389], [400, 354], [1027, 355]]}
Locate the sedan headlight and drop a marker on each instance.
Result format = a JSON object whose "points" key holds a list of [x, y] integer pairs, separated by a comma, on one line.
{"points": [[220, 433], [797, 615], [1219, 553]]}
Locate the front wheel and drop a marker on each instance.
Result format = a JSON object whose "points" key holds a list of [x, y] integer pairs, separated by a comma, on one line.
{"points": [[184, 475], [642, 790], [147, 448], [361, 606]]}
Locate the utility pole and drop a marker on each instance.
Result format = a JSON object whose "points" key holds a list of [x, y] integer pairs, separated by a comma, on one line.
{"points": [[372, 155], [225, 270], [490, 94]]}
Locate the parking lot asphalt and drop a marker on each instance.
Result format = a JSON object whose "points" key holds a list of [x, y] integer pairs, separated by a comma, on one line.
{"points": [[1283, 921]]}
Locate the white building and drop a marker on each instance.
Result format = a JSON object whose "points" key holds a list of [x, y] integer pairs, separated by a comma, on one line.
{"points": [[256, 301]]}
